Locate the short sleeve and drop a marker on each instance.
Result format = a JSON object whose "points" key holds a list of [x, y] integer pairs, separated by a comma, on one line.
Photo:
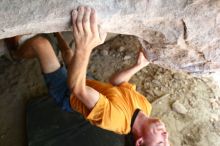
{"points": [[105, 113], [96, 114], [127, 85]]}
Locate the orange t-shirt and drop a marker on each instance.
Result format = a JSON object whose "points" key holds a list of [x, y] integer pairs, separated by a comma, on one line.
{"points": [[115, 106]]}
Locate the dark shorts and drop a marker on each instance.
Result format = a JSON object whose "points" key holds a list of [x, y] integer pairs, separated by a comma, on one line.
{"points": [[58, 89]]}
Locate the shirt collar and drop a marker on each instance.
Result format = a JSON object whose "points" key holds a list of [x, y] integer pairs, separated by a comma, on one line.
{"points": [[134, 116]]}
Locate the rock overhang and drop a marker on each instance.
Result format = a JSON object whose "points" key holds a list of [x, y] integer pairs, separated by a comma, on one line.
{"points": [[181, 35]]}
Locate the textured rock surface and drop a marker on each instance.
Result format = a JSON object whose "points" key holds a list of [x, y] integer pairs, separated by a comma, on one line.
{"points": [[180, 34]]}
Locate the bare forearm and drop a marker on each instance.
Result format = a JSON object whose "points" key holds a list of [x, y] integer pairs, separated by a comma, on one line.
{"points": [[77, 70], [77, 80], [125, 75]]}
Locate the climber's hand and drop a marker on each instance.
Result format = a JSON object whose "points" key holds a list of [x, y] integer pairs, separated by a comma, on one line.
{"points": [[85, 29], [141, 60]]}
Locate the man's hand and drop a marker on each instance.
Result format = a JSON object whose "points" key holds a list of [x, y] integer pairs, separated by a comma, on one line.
{"points": [[85, 29], [141, 60]]}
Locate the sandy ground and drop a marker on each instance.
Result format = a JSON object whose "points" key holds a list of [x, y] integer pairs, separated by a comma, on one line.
{"points": [[189, 106]]}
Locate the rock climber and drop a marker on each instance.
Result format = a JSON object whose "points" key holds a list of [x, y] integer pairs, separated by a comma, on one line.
{"points": [[115, 106]]}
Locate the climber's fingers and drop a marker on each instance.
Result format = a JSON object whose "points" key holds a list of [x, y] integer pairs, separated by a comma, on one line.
{"points": [[86, 31], [86, 21], [93, 22], [74, 18], [81, 11]]}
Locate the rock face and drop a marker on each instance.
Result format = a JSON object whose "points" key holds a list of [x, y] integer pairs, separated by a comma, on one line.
{"points": [[179, 34]]}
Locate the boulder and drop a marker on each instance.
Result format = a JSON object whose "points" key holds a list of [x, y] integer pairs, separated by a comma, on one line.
{"points": [[178, 34]]}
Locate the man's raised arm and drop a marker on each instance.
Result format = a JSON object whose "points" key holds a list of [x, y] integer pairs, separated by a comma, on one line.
{"points": [[87, 37]]}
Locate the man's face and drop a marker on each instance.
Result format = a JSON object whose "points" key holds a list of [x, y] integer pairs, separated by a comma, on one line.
{"points": [[155, 134]]}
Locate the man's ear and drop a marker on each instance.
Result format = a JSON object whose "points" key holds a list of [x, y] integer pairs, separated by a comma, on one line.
{"points": [[139, 141]]}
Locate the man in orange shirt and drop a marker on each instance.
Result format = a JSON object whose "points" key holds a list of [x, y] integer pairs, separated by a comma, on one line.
{"points": [[115, 106]]}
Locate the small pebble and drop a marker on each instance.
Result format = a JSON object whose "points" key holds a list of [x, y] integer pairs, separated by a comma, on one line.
{"points": [[179, 108], [127, 57], [121, 49], [104, 52]]}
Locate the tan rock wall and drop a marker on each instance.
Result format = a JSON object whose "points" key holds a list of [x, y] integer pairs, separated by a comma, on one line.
{"points": [[181, 34]]}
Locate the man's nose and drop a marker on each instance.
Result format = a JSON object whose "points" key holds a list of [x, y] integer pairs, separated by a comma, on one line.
{"points": [[164, 133]]}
